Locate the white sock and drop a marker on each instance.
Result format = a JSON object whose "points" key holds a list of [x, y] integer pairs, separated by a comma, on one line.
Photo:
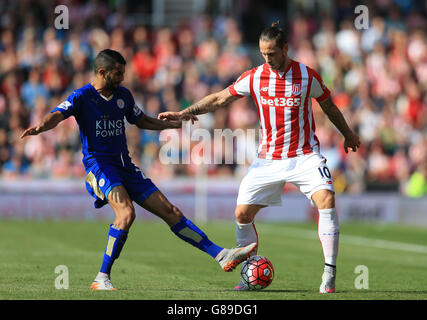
{"points": [[246, 234], [329, 231], [101, 276]]}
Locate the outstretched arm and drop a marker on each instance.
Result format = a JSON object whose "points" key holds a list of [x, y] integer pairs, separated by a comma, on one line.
{"points": [[49, 122], [149, 123], [209, 103], [335, 116]]}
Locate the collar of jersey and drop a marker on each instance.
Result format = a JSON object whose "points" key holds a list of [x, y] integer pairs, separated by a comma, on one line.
{"points": [[282, 74], [103, 97]]}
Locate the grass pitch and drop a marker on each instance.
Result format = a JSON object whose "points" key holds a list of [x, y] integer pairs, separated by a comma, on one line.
{"points": [[155, 264]]}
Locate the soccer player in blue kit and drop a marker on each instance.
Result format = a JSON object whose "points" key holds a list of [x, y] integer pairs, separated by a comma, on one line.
{"points": [[100, 108]]}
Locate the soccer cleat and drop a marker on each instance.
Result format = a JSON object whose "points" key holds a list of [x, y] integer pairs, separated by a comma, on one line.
{"points": [[103, 284], [241, 286], [229, 259], [328, 280]]}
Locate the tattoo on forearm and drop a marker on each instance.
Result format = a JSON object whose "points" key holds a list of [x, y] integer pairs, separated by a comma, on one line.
{"points": [[195, 110], [207, 104]]}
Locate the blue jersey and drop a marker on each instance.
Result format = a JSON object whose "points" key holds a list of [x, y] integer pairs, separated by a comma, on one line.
{"points": [[102, 132], [101, 121]]}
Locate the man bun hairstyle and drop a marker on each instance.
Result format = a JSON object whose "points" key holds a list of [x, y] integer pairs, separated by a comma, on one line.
{"points": [[274, 33], [108, 59]]}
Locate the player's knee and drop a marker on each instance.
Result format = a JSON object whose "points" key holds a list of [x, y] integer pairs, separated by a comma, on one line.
{"points": [[173, 215], [176, 213], [243, 216], [326, 201], [126, 218]]}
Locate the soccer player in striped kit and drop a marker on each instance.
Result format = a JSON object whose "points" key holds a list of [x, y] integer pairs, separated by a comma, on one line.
{"points": [[289, 150]]}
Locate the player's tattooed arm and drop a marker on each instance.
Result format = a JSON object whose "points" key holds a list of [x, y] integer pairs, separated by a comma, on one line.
{"points": [[210, 103], [49, 122], [149, 123], [207, 104], [336, 117]]}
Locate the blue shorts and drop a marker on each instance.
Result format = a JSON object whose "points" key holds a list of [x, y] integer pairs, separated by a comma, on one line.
{"points": [[103, 177]]}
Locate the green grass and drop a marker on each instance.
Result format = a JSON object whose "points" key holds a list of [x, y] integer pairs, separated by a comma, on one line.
{"points": [[155, 264]]}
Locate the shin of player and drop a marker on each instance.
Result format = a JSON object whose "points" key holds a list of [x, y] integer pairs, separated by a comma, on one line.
{"points": [[328, 229], [245, 231], [115, 243], [190, 233], [245, 234], [245, 224]]}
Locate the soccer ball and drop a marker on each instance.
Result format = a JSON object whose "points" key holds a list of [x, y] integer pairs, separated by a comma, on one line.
{"points": [[257, 272]]}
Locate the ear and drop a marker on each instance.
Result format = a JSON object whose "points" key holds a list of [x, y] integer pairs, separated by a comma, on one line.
{"points": [[285, 47], [101, 72]]}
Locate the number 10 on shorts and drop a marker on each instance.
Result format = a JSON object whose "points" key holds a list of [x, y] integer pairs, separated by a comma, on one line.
{"points": [[324, 172]]}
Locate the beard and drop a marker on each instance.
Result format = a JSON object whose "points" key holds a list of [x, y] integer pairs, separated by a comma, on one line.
{"points": [[110, 85], [278, 66]]}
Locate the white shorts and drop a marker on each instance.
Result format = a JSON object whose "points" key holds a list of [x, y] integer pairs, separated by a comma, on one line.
{"points": [[265, 179]]}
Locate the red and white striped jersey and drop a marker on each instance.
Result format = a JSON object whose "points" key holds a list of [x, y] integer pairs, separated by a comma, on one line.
{"points": [[284, 108]]}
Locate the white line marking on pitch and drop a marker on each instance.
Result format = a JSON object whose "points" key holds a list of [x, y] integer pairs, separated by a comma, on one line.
{"points": [[356, 240]]}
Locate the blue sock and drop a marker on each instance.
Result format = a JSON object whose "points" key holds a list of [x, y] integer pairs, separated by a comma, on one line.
{"points": [[189, 232], [115, 243]]}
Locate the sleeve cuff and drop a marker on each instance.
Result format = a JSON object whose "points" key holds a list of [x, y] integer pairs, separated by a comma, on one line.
{"points": [[233, 92], [324, 96]]}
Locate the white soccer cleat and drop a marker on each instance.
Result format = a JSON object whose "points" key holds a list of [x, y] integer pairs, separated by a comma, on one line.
{"points": [[102, 284], [328, 280], [229, 259]]}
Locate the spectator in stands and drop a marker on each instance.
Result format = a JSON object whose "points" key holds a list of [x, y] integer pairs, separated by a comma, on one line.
{"points": [[417, 184], [33, 87]]}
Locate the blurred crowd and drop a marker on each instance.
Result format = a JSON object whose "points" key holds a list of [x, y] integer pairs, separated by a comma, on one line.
{"points": [[377, 76]]}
